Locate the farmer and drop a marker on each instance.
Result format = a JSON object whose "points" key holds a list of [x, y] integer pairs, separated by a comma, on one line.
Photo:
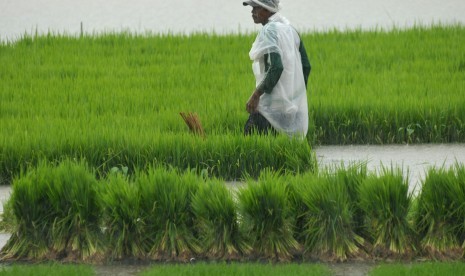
{"points": [[281, 68]]}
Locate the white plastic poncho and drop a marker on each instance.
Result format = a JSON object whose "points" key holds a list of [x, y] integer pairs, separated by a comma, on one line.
{"points": [[286, 106]]}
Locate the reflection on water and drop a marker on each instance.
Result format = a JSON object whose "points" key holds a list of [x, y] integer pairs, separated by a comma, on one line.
{"points": [[221, 16], [413, 159]]}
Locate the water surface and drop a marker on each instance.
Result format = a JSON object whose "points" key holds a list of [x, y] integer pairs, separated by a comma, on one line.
{"points": [[222, 16], [413, 160]]}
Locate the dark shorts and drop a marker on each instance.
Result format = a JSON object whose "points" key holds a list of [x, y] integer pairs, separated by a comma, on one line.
{"points": [[257, 124]]}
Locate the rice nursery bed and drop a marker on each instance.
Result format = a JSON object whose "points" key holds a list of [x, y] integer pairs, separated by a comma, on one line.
{"points": [[115, 98], [104, 168]]}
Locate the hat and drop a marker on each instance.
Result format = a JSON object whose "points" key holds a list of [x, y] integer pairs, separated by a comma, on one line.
{"points": [[271, 5]]}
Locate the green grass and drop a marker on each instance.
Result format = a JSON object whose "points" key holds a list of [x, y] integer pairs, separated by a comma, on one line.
{"points": [[238, 269], [47, 270], [428, 268], [420, 269]]}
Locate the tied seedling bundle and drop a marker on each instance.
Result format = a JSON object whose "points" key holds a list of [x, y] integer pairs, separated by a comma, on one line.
{"points": [[193, 122]]}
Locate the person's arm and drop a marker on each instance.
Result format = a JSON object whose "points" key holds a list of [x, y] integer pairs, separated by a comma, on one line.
{"points": [[273, 68], [306, 67]]}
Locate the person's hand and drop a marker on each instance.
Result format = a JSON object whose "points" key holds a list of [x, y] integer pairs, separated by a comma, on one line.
{"points": [[253, 101]]}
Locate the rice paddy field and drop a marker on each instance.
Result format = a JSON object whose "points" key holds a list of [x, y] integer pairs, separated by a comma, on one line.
{"points": [[103, 168]]}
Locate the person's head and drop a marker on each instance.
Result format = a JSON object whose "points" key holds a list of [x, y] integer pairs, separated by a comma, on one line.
{"points": [[262, 9]]}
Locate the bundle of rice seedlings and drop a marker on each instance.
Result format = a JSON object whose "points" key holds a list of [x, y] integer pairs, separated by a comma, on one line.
{"points": [[166, 197], [56, 214], [266, 216], [32, 217], [439, 214], [193, 122], [352, 176], [77, 208], [460, 175], [217, 222], [329, 232], [298, 208], [123, 223], [385, 201]]}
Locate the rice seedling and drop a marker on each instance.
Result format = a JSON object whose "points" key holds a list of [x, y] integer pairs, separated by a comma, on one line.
{"points": [[266, 218], [329, 232], [217, 222], [227, 156], [124, 225], [56, 214], [386, 202], [166, 199], [107, 97], [352, 176], [76, 207], [32, 218], [439, 214], [298, 207], [380, 94]]}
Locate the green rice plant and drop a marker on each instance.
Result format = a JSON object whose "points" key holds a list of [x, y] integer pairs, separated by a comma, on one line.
{"points": [[460, 174], [56, 213], [439, 214], [352, 175], [386, 202], [363, 99], [123, 222], [166, 207], [227, 156], [113, 99], [217, 222], [32, 216], [77, 208], [298, 207], [329, 232], [265, 213]]}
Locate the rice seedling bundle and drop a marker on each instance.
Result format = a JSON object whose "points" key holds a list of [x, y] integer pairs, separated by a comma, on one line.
{"points": [[386, 202], [329, 231], [124, 225], [440, 212], [217, 222], [31, 217], [60, 211], [166, 205], [56, 214], [266, 218], [353, 176]]}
